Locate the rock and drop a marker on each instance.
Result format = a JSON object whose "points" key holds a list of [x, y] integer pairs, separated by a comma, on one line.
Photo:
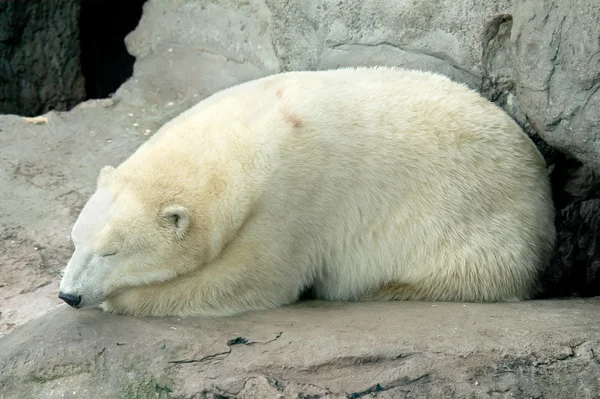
{"points": [[39, 56], [280, 36], [556, 50], [319, 350], [575, 269]]}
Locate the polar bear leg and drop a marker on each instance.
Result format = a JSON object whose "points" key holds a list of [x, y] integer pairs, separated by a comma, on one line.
{"points": [[441, 291], [396, 292], [236, 282], [179, 298]]}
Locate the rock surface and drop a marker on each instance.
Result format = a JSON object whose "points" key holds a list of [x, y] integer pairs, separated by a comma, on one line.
{"points": [[275, 36], [39, 56], [543, 349], [556, 49], [188, 50]]}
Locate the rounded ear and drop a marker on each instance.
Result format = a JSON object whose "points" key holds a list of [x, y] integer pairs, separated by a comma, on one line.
{"points": [[105, 174], [178, 218]]}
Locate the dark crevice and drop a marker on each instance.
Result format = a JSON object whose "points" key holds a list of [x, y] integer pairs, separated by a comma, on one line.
{"points": [[105, 62]]}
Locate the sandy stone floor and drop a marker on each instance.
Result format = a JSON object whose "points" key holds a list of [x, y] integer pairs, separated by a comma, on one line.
{"points": [[47, 171], [28, 280]]}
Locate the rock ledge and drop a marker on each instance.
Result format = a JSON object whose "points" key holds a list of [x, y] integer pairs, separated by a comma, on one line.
{"points": [[535, 349]]}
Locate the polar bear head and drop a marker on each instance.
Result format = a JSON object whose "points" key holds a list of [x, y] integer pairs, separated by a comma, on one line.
{"points": [[123, 239]]}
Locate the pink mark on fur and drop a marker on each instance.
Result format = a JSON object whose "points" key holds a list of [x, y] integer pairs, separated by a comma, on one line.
{"points": [[288, 116], [291, 119]]}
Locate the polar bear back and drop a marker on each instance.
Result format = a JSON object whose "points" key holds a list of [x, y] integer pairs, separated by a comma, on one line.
{"points": [[368, 179]]}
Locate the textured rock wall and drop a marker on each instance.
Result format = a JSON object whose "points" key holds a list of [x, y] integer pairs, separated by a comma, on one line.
{"points": [[556, 49], [276, 36], [542, 65], [39, 56]]}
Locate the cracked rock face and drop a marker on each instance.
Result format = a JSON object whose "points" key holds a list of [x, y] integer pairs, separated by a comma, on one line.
{"points": [[556, 46], [555, 52], [312, 350], [307, 34]]}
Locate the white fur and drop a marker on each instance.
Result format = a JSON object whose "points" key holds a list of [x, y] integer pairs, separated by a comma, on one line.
{"points": [[368, 183]]}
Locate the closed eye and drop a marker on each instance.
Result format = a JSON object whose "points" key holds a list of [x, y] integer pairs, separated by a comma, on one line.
{"points": [[108, 254]]}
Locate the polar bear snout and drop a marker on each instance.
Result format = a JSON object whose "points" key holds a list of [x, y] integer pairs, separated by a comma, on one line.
{"points": [[71, 300], [84, 281]]}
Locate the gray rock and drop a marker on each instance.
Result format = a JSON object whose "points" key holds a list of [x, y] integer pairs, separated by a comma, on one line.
{"points": [[314, 349], [556, 50], [39, 56], [305, 34]]}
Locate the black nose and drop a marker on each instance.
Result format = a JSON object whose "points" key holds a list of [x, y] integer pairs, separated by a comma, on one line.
{"points": [[71, 300]]}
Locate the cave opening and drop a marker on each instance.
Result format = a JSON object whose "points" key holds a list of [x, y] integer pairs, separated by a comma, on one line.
{"points": [[105, 62]]}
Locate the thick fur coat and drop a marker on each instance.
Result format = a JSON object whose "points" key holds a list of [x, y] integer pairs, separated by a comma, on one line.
{"points": [[364, 184]]}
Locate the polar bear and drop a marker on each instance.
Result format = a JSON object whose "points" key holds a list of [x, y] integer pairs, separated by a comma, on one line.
{"points": [[361, 184]]}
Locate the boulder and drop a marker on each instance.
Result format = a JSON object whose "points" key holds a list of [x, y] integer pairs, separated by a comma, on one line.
{"points": [[442, 36], [556, 50]]}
